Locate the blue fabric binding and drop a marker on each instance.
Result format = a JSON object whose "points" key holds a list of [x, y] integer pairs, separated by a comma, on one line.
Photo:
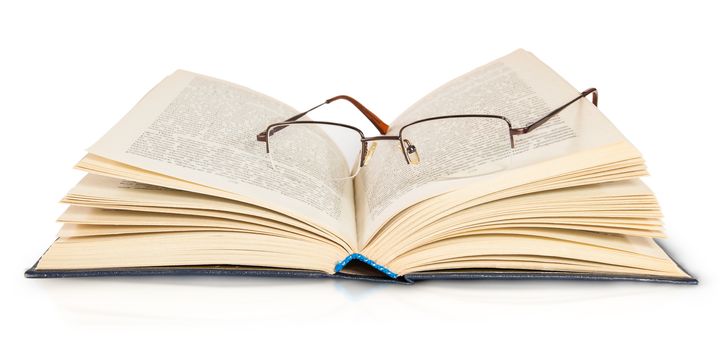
{"points": [[366, 260]]}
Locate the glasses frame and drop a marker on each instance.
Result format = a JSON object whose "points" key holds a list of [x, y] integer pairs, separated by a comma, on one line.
{"points": [[408, 149]]}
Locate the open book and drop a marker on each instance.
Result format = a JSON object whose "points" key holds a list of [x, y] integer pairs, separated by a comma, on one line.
{"points": [[181, 185]]}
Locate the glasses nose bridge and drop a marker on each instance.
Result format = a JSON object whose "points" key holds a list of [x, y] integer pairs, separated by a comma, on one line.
{"points": [[380, 138], [366, 152]]}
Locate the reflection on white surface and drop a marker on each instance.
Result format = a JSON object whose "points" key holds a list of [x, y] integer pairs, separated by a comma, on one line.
{"points": [[224, 299]]}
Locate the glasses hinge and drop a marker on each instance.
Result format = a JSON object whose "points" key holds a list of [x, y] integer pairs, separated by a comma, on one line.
{"points": [[518, 131], [261, 137]]}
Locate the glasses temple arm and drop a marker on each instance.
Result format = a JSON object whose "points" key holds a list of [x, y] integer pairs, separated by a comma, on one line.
{"points": [[547, 117], [376, 121]]}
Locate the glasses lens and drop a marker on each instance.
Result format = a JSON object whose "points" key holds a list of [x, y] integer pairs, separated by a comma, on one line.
{"points": [[322, 151], [457, 147]]}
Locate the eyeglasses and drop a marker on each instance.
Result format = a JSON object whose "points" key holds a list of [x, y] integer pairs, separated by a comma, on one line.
{"points": [[469, 144]]}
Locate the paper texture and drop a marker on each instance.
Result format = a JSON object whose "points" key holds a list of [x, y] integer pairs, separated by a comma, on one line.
{"points": [[518, 87], [203, 130]]}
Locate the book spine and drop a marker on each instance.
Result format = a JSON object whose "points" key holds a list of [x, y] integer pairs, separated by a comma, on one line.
{"points": [[340, 265]]}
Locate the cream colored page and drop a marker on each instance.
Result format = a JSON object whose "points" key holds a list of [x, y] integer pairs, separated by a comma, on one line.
{"points": [[203, 130], [95, 189], [517, 86]]}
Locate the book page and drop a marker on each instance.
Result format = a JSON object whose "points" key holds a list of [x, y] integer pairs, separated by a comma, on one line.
{"points": [[616, 254], [519, 87], [203, 130], [94, 190]]}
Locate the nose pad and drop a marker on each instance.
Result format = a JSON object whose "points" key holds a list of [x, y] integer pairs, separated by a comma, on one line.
{"points": [[370, 152], [411, 152]]}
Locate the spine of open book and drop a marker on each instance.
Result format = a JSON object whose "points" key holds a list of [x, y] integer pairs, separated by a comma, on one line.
{"points": [[340, 265]]}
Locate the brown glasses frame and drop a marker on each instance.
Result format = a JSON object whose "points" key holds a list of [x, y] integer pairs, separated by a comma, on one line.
{"points": [[409, 148]]}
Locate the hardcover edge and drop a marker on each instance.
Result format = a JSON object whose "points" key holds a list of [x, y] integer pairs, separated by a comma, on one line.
{"points": [[559, 276], [221, 270]]}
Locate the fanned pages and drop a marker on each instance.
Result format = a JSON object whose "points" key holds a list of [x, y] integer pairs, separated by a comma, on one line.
{"points": [[182, 183]]}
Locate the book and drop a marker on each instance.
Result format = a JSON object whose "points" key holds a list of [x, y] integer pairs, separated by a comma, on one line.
{"points": [[183, 185]]}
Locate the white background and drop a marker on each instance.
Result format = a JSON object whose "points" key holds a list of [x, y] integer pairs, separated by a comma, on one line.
{"points": [[69, 71]]}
